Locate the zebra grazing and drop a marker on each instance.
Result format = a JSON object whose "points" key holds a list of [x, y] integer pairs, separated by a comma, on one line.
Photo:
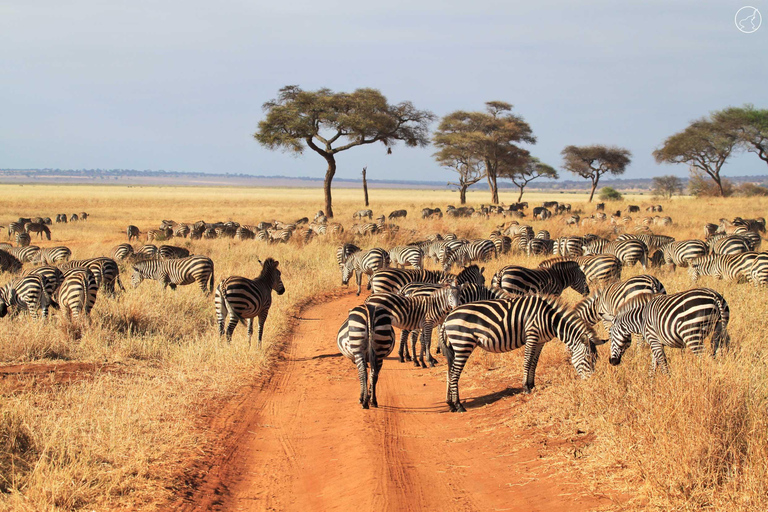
{"points": [[600, 269], [730, 267], [679, 254], [171, 252], [61, 217], [52, 277], [74, 218], [243, 299], [77, 293], [53, 255], [132, 232], [38, 227], [552, 280], [403, 255], [504, 325], [418, 313], [393, 279], [463, 254], [364, 262], [366, 337], [344, 251], [181, 230], [23, 239], [538, 246], [652, 242], [105, 269], [122, 252], [361, 214], [9, 262], [398, 214], [175, 273], [731, 244], [15, 227], [609, 300], [679, 320], [28, 254], [629, 252], [83, 216], [568, 246], [25, 293]]}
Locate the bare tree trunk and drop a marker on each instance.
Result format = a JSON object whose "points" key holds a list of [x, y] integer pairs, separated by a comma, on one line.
{"points": [[463, 194], [594, 187], [719, 183], [327, 185], [520, 197], [365, 186], [494, 188]]}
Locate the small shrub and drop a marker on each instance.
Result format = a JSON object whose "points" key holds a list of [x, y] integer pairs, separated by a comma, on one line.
{"points": [[610, 194]]}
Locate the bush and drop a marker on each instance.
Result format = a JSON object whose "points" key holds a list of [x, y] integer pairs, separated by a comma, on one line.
{"points": [[751, 190], [610, 194], [701, 185]]}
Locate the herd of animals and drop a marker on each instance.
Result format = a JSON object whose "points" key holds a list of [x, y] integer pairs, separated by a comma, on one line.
{"points": [[519, 308]]}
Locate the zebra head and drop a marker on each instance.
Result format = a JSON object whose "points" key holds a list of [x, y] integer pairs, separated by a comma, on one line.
{"points": [[137, 277], [270, 271], [3, 303], [621, 338], [347, 269]]}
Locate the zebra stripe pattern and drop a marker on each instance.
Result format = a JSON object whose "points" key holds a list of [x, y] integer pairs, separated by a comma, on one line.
{"points": [[403, 255], [175, 273], [171, 252], [504, 325], [463, 254], [364, 262], [53, 255], [629, 252], [730, 267], [543, 281], [9, 262], [26, 293], [28, 254], [52, 277], [393, 279], [242, 299], [609, 300], [105, 269], [680, 320], [77, 293], [731, 244], [679, 254], [122, 251], [344, 251]]}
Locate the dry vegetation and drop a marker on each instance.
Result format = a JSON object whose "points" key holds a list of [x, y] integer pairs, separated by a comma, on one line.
{"points": [[120, 435]]}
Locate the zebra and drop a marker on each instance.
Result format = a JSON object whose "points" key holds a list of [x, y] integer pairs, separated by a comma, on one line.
{"points": [[599, 270], [9, 262], [23, 239], [132, 232], [652, 242], [83, 216], [407, 255], [610, 299], [679, 254], [629, 252], [366, 337], [679, 320], [503, 243], [503, 325], [568, 246], [15, 227], [758, 272], [52, 255], [121, 252], [465, 253], [280, 235], [397, 214], [731, 267], [181, 230], [244, 233], [754, 240], [52, 277], [440, 252], [105, 269], [25, 293], [171, 252], [418, 313], [543, 234], [174, 273], [542, 281], [147, 251], [77, 293], [731, 244], [537, 246], [393, 279], [243, 299], [361, 214], [364, 262], [28, 254], [344, 251], [39, 228], [74, 218], [61, 217]]}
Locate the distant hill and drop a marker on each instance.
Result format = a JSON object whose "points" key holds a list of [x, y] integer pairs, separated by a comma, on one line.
{"points": [[167, 178]]}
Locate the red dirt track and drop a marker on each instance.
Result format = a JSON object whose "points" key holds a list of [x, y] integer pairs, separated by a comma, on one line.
{"points": [[298, 440]]}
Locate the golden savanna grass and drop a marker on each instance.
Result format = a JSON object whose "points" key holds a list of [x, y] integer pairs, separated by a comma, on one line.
{"points": [[696, 439]]}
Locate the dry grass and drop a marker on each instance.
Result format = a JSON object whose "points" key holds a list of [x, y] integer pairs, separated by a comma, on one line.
{"points": [[696, 439]]}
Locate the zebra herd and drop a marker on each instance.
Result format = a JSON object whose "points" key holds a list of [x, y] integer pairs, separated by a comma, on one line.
{"points": [[522, 306]]}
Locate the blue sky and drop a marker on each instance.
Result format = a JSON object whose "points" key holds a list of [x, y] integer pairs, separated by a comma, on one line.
{"points": [[179, 85]]}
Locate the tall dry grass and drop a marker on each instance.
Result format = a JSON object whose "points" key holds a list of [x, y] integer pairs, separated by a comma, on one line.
{"points": [[118, 437]]}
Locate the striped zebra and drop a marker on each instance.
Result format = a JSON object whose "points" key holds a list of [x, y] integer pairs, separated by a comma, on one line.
{"points": [[77, 293], [23, 239], [344, 251], [171, 252], [629, 252], [393, 279], [754, 240], [281, 236], [538, 246], [25, 293], [9, 262], [758, 273], [181, 230], [105, 269], [364, 262], [403, 255], [543, 234], [730, 267], [61, 217], [398, 214], [504, 325], [122, 252], [568, 246], [14, 228], [52, 277], [472, 251], [243, 299], [652, 242], [243, 233], [74, 218], [38, 227], [417, 313], [542, 281], [680, 320], [439, 251], [53, 255], [609, 300], [731, 244], [366, 229], [147, 251], [366, 337], [362, 214], [503, 243], [5, 246], [132, 232], [28, 254], [678, 254], [175, 273]]}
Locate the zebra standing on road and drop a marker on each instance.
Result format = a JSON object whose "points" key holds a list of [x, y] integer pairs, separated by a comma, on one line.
{"points": [[680, 320], [393, 279], [174, 273], [77, 293], [543, 281], [243, 299], [25, 293], [407, 255], [366, 337], [504, 325], [364, 262], [609, 300]]}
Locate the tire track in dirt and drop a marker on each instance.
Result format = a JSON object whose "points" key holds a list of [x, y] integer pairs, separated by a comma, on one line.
{"points": [[300, 441]]}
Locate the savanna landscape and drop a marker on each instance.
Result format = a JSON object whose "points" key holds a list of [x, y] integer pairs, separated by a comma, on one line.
{"points": [[145, 406]]}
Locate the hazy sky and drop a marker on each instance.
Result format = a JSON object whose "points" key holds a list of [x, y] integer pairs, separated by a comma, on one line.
{"points": [[178, 85]]}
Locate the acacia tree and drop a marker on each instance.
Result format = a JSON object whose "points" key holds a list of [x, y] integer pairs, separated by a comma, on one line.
{"points": [[469, 168], [331, 122], [594, 161], [667, 186], [703, 145], [491, 137], [532, 169], [749, 125]]}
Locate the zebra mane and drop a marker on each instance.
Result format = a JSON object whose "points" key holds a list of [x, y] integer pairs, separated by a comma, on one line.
{"points": [[560, 307]]}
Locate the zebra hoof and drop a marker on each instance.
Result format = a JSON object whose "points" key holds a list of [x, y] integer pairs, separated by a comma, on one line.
{"points": [[451, 407], [365, 405], [375, 404], [527, 389], [433, 362], [460, 408]]}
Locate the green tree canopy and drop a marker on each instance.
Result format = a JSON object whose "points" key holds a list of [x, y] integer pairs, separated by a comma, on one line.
{"points": [[592, 162], [530, 170], [331, 122], [704, 145], [667, 186], [610, 194], [491, 137], [750, 126]]}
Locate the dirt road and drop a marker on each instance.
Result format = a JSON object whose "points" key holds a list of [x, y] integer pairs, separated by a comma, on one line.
{"points": [[300, 441]]}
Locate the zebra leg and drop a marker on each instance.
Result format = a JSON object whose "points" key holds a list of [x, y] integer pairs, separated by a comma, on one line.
{"points": [[426, 345], [375, 369], [532, 353], [454, 372], [416, 363], [404, 347], [231, 327], [659, 357], [359, 279], [262, 320], [440, 340], [249, 327], [362, 374]]}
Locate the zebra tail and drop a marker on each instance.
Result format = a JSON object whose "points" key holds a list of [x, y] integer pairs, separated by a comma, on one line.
{"points": [[370, 320], [721, 329], [210, 281]]}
